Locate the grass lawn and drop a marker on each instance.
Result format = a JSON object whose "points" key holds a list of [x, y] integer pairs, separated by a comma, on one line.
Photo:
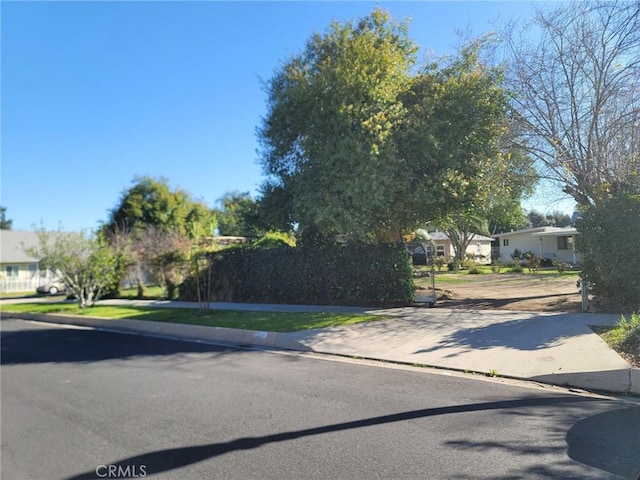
{"points": [[18, 294], [624, 337], [153, 292], [450, 278], [263, 321]]}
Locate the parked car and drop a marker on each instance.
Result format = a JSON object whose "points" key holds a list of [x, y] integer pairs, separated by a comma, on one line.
{"points": [[52, 288]]}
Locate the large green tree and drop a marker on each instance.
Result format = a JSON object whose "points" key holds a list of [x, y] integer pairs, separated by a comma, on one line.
{"points": [[151, 208], [504, 181], [365, 144], [239, 215], [152, 202], [328, 135], [275, 207]]}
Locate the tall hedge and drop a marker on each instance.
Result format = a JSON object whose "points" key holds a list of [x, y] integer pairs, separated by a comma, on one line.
{"points": [[609, 242], [354, 274]]}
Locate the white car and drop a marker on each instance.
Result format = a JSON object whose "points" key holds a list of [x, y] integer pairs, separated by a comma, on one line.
{"points": [[52, 288]]}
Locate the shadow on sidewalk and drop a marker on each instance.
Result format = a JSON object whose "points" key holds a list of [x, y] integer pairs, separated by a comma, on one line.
{"points": [[533, 333]]}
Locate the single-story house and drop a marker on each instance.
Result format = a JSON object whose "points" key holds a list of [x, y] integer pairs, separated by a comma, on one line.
{"points": [[19, 271], [546, 242], [480, 247]]}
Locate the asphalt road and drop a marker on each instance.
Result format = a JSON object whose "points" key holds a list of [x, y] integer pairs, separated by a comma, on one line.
{"points": [[80, 404]]}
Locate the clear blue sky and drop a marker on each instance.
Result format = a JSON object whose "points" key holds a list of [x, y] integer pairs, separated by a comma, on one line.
{"points": [[95, 93]]}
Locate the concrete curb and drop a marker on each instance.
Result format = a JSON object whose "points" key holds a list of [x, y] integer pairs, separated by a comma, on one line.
{"points": [[624, 381], [634, 381], [174, 330]]}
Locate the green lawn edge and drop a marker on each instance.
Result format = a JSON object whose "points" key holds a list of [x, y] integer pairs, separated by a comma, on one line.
{"points": [[243, 320]]}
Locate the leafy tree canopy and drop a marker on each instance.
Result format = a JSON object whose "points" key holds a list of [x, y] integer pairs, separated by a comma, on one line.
{"points": [[86, 263], [554, 219], [239, 215], [366, 145], [152, 203]]}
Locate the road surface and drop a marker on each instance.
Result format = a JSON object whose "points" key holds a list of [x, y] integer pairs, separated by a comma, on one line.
{"points": [[84, 404]]}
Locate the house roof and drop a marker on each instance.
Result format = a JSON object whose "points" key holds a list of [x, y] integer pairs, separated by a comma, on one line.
{"points": [[556, 232], [13, 244], [437, 235], [540, 231], [481, 238]]}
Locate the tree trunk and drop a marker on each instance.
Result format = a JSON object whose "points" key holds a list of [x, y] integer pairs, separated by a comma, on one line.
{"points": [[142, 290]]}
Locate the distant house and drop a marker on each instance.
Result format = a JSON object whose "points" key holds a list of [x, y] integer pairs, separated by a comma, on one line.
{"points": [[479, 248], [19, 271], [545, 242], [229, 240]]}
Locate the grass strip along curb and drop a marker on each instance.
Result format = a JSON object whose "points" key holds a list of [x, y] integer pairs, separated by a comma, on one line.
{"points": [[243, 320]]}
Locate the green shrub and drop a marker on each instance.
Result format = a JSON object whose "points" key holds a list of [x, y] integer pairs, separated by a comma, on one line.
{"points": [[533, 262], [441, 261], [275, 239], [625, 336], [609, 236], [468, 263], [329, 274], [559, 265], [476, 270], [496, 266], [516, 269]]}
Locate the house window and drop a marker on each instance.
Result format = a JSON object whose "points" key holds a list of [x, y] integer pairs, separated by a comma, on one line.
{"points": [[505, 242], [563, 243], [439, 250], [33, 270], [12, 271]]}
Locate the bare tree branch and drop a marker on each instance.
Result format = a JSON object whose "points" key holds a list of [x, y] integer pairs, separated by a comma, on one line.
{"points": [[576, 92]]}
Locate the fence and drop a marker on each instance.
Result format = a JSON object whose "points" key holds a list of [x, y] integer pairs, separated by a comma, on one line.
{"points": [[11, 285]]}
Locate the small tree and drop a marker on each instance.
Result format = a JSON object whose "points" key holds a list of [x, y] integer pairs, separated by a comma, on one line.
{"points": [[461, 228], [164, 256], [85, 263], [5, 223], [200, 260], [533, 262]]}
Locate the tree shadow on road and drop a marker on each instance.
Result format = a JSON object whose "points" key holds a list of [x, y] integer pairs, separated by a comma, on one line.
{"points": [[29, 345], [170, 459], [608, 442], [614, 447]]}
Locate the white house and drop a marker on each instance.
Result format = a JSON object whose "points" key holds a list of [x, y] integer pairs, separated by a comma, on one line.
{"points": [[19, 271], [546, 242], [480, 247]]}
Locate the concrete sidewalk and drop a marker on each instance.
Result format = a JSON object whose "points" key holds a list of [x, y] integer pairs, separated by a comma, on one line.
{"points": [[555, 348]]}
